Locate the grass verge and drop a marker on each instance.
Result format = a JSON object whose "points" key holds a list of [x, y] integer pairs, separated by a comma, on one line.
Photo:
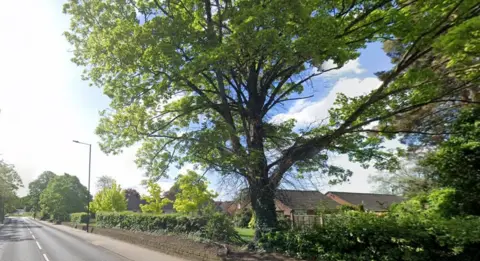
{"points": [[246, 234]]}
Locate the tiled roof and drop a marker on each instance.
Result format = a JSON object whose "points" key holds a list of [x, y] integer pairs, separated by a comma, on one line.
{"points": [[304, 199], [370, 201]]}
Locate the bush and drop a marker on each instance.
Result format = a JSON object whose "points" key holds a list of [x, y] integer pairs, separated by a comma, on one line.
{"points": [[216, 226], [242, 218], [78, 218], [44, 216], [363, 236], [150, 222], [220, 228]]}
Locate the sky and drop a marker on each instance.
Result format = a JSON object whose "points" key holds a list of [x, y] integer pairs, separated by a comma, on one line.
{"points": [[45, 105]]}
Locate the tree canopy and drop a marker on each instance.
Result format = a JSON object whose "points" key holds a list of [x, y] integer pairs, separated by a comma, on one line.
{"points": [[10, 181], [64, 195], [154, 200], [36, 188], [199, 80], [109, 199], [193, 193]]}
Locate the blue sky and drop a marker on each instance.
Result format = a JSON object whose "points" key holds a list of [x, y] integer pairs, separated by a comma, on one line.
{"points": [[45, 105]]}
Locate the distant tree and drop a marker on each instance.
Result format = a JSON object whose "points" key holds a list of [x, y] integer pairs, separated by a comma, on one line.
{"points": [[109, 199], [155, 200], [24, 203], [10, 181], [36, 188], [408, 181], [194, 193], [104, 182], [64, 195], [130, 192]]}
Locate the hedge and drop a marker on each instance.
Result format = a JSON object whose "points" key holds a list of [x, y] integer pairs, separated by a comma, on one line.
{"points": [[80, 217], [150, 223], [215, 227], [368, 237]]}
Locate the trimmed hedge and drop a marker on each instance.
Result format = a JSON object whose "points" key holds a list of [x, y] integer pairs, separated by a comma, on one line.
{"points": [[216, 226], [366, 237], [150, 222], [78, 218]]}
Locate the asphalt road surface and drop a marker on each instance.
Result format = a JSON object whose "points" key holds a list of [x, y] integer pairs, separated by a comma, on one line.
{"points": [[25, 240]]}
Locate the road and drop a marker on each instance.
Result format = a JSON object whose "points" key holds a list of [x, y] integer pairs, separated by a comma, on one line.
{"points": [[25, 240]]}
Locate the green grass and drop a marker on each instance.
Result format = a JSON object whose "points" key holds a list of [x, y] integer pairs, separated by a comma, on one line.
{"points": [[246, 233]]}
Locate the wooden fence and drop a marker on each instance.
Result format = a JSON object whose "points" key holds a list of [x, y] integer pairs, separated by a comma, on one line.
{"points": [[308, 221]]}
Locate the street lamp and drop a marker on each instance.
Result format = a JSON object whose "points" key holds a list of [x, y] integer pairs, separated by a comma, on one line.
{"points": [[89, 168]]}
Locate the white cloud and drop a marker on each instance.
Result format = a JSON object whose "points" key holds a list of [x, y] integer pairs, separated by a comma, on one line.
{"points": [[350, 67], [45, 105], [307, 112]]}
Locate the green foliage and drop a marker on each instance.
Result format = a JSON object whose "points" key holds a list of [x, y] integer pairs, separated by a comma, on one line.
{"points": [[36, 188], [150, 222], [243, 217], [439, 203], [199, 81], [10, 181], [155, 201], [79, 218], [194, 193], [365, 237], [346, 208], [252, 222], [220, 228], [456, 161], [215, 227], [109, 199], [63, 195]]}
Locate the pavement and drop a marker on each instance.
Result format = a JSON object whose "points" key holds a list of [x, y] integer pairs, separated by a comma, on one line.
{"points": [[25, 239]]}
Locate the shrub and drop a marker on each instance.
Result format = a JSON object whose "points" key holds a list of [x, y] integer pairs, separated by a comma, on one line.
{"points": [[242, 218], [363, 236], [216, 226], [220, 228], [44, 216], [80, 217]]}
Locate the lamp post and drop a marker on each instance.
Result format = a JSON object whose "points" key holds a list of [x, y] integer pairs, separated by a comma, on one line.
{"points": [[89, 168]]}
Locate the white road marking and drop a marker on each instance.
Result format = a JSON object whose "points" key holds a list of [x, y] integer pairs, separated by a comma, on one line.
{"points": [[33, 237], [45, 256], [38, 245]]}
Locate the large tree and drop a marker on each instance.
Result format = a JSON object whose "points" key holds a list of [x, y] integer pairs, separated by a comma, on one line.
{"points": [[64, 195], [10, 181], [36, 188], [199, 80]]}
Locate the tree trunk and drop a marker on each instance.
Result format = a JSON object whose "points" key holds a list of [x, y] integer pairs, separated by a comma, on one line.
{"points": [[262, 196]]}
